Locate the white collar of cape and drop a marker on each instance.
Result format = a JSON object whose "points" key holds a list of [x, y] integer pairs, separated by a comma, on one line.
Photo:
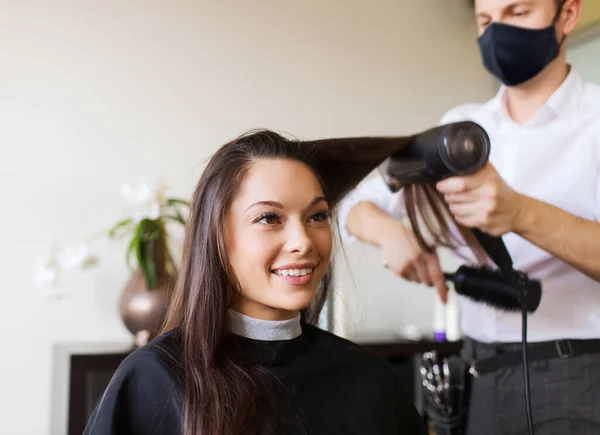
{"points": [[265, 330]]}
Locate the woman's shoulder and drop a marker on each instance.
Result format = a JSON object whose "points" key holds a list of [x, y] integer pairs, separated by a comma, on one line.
{"points": [[166, 348], [146, 386], [162, 354], [151, 369]]}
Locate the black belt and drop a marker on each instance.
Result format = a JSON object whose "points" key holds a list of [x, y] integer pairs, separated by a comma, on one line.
{"points": [[560, 349]]}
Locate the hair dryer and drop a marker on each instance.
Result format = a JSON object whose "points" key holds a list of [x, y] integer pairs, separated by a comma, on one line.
{"points": [[453, 149]]}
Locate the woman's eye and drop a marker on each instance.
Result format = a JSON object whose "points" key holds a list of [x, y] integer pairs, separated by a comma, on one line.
{"points": [[320, 216], [269, 219]]}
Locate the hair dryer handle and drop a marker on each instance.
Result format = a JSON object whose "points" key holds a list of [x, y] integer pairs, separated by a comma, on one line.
{"points": [[495, 248]]}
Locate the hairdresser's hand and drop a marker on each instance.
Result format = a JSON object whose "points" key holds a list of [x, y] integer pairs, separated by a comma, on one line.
{"points": [[482, 200], [403, 255]]}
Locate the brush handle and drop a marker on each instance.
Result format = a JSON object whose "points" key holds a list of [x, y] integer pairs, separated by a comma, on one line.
{"points": [[495, 248]]}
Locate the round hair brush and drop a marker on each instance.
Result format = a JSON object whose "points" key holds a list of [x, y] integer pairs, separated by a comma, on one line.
{"points": [[505, 287], [498, 288]]}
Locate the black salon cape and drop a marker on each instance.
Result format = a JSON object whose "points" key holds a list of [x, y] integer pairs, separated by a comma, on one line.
{"points": [[339, 388]]}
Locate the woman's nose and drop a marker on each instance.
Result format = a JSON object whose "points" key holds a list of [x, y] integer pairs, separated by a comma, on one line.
{"points": [[298, 239]]}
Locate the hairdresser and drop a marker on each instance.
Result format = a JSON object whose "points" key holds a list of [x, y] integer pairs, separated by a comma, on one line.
{"points": [[541, 192]]}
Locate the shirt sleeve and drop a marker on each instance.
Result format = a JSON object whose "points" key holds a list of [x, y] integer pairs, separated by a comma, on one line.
{"points": [[374, 189], [597, 207]]}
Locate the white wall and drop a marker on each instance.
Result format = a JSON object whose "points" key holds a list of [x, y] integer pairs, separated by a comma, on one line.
{"points": [[585, 58], [95, 94]]}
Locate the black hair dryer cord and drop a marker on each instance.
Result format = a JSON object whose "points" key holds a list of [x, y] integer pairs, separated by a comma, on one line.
{"points": [[507, 289], [523, 284]]}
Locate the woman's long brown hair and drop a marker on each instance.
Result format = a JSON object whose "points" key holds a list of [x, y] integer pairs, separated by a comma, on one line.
{"points": [[223, 395]]}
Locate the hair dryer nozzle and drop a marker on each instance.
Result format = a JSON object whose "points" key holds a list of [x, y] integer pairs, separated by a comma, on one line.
{"points": [[466, 147], [452, 149]]}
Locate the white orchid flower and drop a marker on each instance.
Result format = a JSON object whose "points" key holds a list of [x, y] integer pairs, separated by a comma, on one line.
{"points": [[138, 195], [45, 274], [47, 270], [143, 193], [147, 203], [75, 257], [162, 191]]}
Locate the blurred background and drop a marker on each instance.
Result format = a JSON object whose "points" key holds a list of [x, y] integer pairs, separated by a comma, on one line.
{"points": [[96, 95]]}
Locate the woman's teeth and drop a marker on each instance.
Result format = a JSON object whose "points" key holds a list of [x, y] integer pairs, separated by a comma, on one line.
{"points": [[293, 272]]}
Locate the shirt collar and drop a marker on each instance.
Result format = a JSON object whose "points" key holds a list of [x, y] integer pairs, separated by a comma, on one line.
{"points": [[567, 96], [265, 330]]}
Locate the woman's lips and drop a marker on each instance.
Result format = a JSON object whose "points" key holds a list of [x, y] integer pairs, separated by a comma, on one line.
{"points": [[296, 276]]}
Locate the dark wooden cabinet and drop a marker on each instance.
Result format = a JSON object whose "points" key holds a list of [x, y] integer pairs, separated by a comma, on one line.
{"points": [[91, 373], [89, 377]]}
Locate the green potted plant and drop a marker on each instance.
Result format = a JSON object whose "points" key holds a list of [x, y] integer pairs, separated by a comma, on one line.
{"points": [[149, 257]]}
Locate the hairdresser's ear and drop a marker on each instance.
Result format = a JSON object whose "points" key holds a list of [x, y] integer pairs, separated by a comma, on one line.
{"points": [[569, 16]]}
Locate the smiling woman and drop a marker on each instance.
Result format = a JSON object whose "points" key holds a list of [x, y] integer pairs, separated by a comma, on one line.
{"points": [[239, 353], [278, 238]]}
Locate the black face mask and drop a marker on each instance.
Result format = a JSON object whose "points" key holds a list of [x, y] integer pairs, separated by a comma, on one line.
{"points": [[516, 54]]}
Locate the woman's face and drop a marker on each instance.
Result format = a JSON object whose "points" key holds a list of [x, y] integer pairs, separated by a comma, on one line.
{"points": [[278, 239]]}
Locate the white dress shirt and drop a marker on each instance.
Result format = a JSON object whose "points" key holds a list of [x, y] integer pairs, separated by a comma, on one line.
{"points": [[554, 158]]}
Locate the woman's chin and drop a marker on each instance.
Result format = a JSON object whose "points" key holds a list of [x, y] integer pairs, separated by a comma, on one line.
{"points": [[297, 302], [283, 304]]}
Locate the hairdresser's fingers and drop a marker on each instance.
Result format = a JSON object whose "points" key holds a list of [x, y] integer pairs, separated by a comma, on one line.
{"points": [[402, 271], [465, 219], [409, 273], [414, 276], [406, 273], [481, 216], [452, 185], [481, 209], [437, 276], [467, 182], [422, 269], [416, 271], [461, 184], [462, 198]]}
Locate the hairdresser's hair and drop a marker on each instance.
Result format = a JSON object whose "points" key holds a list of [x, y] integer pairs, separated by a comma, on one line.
{"points": [[223, 395], [559, 3]]}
